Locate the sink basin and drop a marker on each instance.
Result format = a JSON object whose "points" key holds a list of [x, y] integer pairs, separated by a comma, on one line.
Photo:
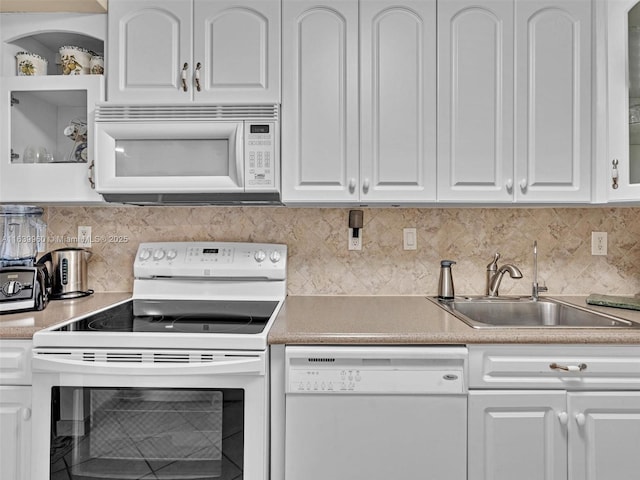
{"points": [[506, 312]]}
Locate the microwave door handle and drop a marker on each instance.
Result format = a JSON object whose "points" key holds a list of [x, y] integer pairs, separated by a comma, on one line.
{"points": [[240, 155], [245, 365]]}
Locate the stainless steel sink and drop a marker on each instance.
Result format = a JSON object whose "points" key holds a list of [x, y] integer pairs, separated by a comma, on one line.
{"points": [[506, 312]]}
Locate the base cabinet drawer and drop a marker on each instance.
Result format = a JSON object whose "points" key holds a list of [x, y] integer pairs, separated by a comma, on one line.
{"points": [[567, 367]]}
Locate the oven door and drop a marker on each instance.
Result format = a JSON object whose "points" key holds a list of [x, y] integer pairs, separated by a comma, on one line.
{"points": [[169, 157], [149, 415]]}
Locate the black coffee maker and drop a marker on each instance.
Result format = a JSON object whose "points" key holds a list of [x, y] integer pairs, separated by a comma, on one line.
{"points": [[24, 285]]}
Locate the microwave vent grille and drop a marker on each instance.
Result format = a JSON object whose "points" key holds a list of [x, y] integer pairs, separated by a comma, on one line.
{"points": [[194, 113]]}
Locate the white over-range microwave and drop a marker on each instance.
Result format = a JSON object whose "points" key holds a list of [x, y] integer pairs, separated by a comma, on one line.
{"points": [[189, 155]]}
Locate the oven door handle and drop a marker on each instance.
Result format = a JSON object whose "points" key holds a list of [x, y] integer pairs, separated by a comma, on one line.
{"points": [[236, 366]]}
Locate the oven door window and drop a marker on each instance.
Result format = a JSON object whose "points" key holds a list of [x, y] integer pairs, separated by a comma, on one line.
{"points": [[147, 433]]}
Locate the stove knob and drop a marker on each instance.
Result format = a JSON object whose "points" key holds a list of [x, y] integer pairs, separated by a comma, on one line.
{"points": [[145, 255], [158, 254], [275, 256], [171, 254], [260, 256]]}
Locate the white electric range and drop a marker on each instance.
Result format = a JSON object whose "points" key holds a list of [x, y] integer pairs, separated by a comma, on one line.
{"points": [[172, 383]]}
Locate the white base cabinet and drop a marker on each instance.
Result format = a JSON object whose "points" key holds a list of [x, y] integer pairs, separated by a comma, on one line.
{"points": [[517, 434], [531, 421], [15, 409]]}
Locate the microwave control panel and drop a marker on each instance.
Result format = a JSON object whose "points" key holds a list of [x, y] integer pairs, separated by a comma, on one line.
{"points": [[260, 155]]}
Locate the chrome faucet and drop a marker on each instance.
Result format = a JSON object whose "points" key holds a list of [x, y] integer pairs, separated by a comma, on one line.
{"points": [[536, 289], [495, 274]]}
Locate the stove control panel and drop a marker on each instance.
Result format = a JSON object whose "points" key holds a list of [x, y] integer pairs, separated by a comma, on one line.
{"points": [[211, 259]]}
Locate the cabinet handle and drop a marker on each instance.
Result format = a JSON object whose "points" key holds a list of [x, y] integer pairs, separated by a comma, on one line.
{"points": [[90, 174], [198, 67], [365, 185], [581, 420], [183, 76], [614, 174], [563, 417], [568, 368], [509, 185], [523, 185], [352, 185], [26, 413]]}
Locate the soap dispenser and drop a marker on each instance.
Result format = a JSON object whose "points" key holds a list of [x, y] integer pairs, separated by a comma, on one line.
{"points": [[445, 284]]}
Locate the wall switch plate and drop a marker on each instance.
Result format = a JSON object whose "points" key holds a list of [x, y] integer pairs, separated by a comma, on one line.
{"points": [[355, 243], [84, 236], [409, 239], [598, 243]]}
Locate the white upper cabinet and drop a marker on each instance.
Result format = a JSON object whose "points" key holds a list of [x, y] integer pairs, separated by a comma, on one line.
{"points": [[397, 102], [358, 101], [514, 107], [623, 100], [46, 121], [320, 101], [213, 51]]}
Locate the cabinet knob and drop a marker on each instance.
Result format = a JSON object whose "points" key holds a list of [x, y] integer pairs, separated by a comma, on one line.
{"points": [[352, 185], [365, 185], [509, 185], [523, 185], [183, 76], [198, 67], [581, 420], [563, 417], [26, 413]]}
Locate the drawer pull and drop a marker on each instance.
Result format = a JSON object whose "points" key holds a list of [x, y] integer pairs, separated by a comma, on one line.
{"points": [[568, 368]]}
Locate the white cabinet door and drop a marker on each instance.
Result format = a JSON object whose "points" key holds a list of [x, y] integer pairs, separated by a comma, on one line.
{"points": [[604, 431], [623, 93], [320, 101], [149, 44], [214, 51], [42, 108], [15, 432], [335, 150], [553, 100], [398, 101], [237, 46], [514, 125], [517, 435], [475, 100]]}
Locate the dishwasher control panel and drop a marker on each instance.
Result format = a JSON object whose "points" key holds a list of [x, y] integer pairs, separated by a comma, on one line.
{"points": [[399, 370]]}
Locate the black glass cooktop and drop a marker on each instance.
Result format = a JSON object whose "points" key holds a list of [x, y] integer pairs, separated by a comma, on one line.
{"points": [[179, 316]]}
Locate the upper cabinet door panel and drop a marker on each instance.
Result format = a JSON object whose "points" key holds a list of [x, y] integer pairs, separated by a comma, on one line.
{"points": [[398, 78], [237, 45], [149, 42], [475, 157], [553, 103], [320, 105]]}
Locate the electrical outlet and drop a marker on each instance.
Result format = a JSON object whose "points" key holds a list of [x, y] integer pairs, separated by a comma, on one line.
{"points": [[355, 243], [84, 236], [598, 243]]}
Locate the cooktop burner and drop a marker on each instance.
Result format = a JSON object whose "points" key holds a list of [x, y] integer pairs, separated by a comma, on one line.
{"points": [[179, 316]]}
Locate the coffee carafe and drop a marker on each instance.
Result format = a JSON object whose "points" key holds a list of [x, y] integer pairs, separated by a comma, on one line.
{"points": [[22, 234]]}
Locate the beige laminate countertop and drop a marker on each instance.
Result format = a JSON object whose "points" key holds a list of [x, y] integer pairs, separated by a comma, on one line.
{"points": [[416, 320], [24, 325], [353, 320]]}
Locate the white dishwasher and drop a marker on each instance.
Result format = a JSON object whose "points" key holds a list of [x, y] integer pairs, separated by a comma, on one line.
{"points": [[375, 413]]}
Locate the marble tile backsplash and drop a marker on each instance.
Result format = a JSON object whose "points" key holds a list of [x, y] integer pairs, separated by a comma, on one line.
{"points": [[319, 262]]}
